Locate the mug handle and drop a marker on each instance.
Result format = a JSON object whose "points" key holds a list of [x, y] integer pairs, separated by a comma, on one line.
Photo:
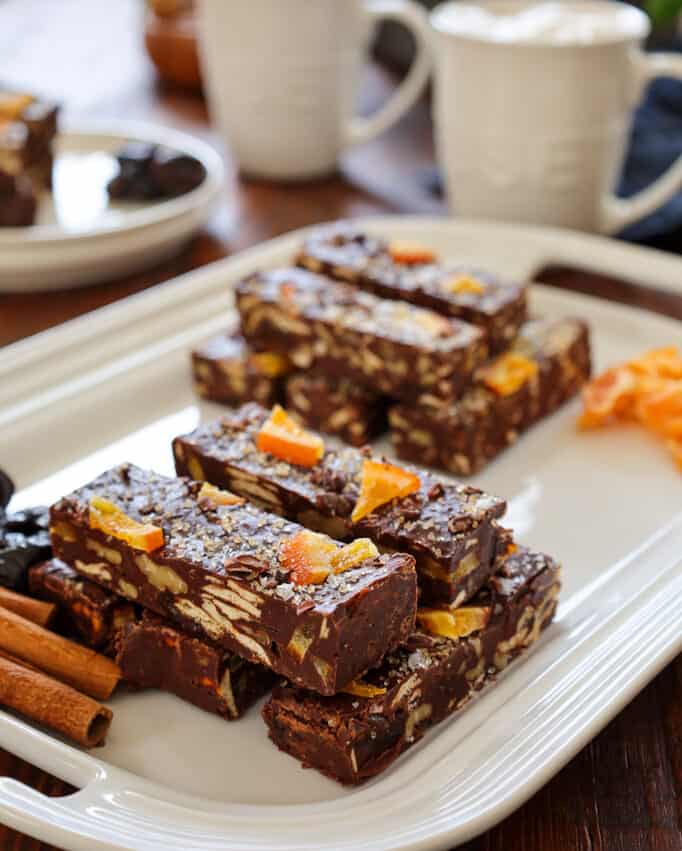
{"points": [[616, 212], [415, 19]]}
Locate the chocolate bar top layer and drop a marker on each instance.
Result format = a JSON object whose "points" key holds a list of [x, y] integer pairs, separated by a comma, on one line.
{"points": [[219, 576], [315, 297], [351, 737], [426, 522], [349, 254], [224, 540]]}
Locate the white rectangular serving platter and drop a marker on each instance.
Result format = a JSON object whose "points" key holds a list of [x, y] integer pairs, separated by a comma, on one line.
{"points": [[114, 385]]}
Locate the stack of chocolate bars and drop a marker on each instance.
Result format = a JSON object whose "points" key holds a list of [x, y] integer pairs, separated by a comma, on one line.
{"points": [[376, 599], [28, 126], [363, 331]]}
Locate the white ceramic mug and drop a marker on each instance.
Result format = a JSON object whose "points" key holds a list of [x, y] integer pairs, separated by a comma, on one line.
{"points": [[282, 75], [537, 132]]}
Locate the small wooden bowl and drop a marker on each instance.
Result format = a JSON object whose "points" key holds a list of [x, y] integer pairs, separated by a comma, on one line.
{"points": [[171, 43]]}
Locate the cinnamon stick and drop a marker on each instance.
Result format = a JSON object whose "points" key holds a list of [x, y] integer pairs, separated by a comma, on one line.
{"points": [[53, 704], [37, 611], [77, 666]]}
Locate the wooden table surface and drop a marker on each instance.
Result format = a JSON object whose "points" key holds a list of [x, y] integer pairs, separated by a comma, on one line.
{"points": [[623, 792]]}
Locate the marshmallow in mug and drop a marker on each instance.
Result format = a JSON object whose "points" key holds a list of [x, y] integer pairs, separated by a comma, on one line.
{"points": [[543, 23]]}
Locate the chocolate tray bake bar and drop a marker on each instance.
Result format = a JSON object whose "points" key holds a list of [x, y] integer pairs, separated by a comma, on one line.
{"points": [[85, 611], [153, 654], [344, 253], [449, 529], [465, 435], [391, 346], [351, 737], [226, 571], [350, 411], [225, 371]]}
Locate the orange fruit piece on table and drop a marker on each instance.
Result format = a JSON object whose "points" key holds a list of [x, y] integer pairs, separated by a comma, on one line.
{"points": [[661, 410], [111, 520], [611, 394], [665, 362], [410, 253], [380, 483], [360, 689], [307, 556], [508, 373], [284, 438], [454, 623]]}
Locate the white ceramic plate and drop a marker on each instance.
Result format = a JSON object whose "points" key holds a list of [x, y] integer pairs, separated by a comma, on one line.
{"points": [[115, 385], [81, 237]]}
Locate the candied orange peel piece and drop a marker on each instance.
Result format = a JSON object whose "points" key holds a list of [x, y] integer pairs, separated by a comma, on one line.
{"points": [[359, 689], [380, 483], [612, 394], [409, 253], [111, 520], [307, 556], [353, 554], [218, 496], [12, 105], [508, 373], [271, 364], [454, 623], [646, 390], [284, 438], [463, 284]]}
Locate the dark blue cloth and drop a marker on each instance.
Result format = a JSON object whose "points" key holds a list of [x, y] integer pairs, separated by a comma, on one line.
{"points": [[655, 143]]}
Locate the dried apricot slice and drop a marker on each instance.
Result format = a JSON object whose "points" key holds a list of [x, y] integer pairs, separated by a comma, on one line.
{"points": [[463, 284], [360, 689], [410, 253], [609, 395], [380, 483], [661, 410], [454, 623], [218, 496], [271, 364], [284, 438], [353, 554], [110, 519], [306, 556], [508, 373], [661, 363]]}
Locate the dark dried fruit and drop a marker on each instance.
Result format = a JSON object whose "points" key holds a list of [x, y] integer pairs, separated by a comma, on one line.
{"points": [[6, 489], [24, 541]]}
